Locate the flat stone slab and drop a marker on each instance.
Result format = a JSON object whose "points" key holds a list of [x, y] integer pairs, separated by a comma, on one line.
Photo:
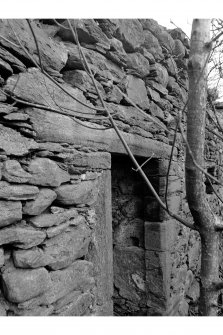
{"points": [[57, 128], [43, 200], [21, 285], [83, 193], [14, 173], [58, 252], [21, 236], [17, 192], [49, 220], [11, 211], [46, 172], [13, 143]]}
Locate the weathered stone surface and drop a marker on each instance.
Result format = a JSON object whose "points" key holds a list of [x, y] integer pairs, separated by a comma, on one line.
{"points": [[55, 230], [46, 172], [7, 108], [58, 252], [49, 220], [13, 143], [16, 116], [22, 236], [14, 173], [44, 199], [128, 262], [163, 37], [3, 97], [14, 62], [88, 32], [158, 271], [38, 311], [60, 128], [2, 258], [95, 160], [21, 285], [179, 49], [72, 296], [81, 80], [78, 276], [171, 66], [11, 211], [138, 63], [108, 26], [157, 87], [68, 246], [17, 192], [151, 44], [5, 69], [194, 291], [31, 86], [159, 236], [54, 55], [78, 307], [136, 91], [98, 63], [159, 73], [31, 258], [156, 110], [83, 193], [130, 33]]}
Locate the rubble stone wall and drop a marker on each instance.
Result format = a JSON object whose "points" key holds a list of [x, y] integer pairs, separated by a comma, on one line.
{"points": [[56, 254]]}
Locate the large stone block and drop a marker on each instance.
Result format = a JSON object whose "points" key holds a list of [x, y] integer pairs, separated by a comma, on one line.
{"points": [[78, 276], [160, 236], [17, 192], [21, 236], [44, 199], [129, 273], [58, 252], [98, 63], [49, 220], [130, 33], [13, 143], [78, 307], [136, 91], [11, 211], [53, 54], [88, 31], [83, 193], [21, 285], [158, 270], [46, 172], [32, 87], [14, 173], [138, 63]]}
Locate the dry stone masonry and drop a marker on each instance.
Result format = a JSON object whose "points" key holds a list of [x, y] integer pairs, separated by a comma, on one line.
{"points": [[64, 202]]}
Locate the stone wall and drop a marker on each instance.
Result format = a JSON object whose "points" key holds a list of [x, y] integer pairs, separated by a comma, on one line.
{"points": [[56, 254]]}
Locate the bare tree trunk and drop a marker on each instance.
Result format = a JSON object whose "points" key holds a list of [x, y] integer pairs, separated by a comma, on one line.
{"points": [[203, 216]]}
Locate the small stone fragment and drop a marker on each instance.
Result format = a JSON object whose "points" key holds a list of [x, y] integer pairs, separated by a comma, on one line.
{"points": [[44, 199]]}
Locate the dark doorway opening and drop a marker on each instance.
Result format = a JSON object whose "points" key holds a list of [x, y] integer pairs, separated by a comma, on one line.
{"points": [[132, 205]]}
